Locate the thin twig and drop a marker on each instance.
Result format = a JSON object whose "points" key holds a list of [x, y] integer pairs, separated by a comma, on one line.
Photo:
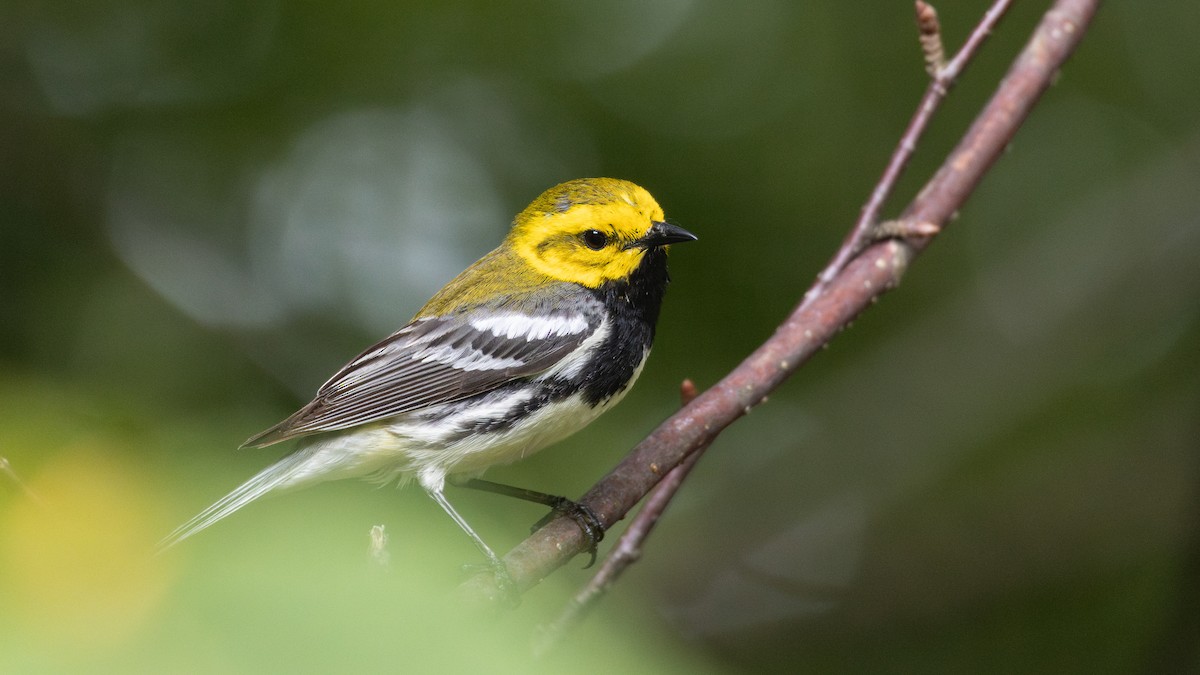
{"points": [[820, 315], [628, 548], [991, 18], [935, 93]]}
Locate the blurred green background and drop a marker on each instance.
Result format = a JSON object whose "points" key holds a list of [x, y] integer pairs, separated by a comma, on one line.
{"points": [[207, 207]]}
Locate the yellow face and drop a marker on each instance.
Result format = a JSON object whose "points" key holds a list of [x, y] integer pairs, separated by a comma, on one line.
{"points": [[586, 231]]}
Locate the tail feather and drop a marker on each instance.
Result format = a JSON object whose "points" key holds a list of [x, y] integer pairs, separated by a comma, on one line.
{"points": [[274, 476]]}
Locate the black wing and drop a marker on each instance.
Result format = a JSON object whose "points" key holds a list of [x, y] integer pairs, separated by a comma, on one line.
{"points": [[435, 360]]}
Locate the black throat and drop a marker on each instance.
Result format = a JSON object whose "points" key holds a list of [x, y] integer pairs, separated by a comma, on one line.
{"points": [[632, 306], [639, 297]]}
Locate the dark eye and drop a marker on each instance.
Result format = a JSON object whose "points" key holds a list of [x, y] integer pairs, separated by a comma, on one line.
{"points": [[595, 239]]}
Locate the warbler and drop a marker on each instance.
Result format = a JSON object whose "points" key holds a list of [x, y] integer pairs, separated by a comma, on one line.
{"points": [[525, 347]]}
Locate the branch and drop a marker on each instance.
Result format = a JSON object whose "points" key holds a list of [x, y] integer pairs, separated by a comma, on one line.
{"points": [[856, 279], [942, 79], [628, 548]]}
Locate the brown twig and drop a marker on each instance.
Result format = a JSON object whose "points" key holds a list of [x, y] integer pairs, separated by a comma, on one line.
{"points": [[628, 548], [849, 290], [863, 233]]}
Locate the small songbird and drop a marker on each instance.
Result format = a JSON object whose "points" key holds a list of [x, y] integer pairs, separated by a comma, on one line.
{"points": [[525, 347]]}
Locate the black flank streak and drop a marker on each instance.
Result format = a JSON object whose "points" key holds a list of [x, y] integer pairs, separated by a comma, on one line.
{"points": [[551, 391]]}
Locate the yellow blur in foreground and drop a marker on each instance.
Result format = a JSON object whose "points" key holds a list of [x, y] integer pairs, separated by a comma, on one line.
{"points": [[75, 551]]}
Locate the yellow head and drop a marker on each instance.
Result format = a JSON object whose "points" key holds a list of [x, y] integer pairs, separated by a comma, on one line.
{"points": [[591, 230]]}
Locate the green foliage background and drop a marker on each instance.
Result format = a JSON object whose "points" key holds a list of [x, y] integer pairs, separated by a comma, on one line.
{"points": [[207, 207]]}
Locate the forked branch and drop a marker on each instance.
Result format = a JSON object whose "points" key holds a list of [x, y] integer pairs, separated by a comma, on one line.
{"points": [[865, 267]]}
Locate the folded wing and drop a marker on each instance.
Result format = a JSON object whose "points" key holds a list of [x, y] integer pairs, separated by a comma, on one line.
{"points": [[435, 360]]}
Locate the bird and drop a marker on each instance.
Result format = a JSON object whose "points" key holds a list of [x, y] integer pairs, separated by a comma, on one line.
{"points": [[528, 345]]}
